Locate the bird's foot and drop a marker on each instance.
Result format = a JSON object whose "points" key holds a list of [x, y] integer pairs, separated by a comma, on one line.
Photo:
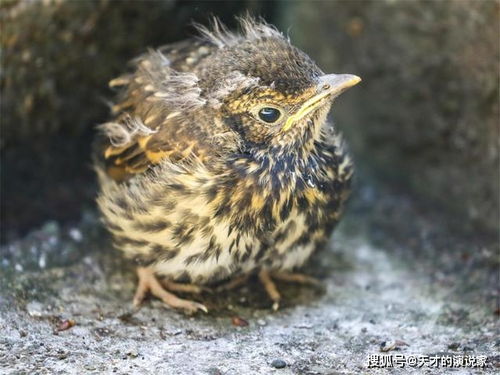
{"points": [[266, 278], [294, 277], [148, 283], [184, 288], [233, 284], [270, 287]]}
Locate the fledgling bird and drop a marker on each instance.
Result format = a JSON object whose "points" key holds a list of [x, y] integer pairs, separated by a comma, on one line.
{"points": [[220, 162]]}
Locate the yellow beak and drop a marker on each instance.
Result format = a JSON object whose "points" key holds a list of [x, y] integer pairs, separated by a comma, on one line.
{"points": [[329, 86]]}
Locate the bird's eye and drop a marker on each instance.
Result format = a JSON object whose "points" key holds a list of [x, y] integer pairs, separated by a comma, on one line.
{"points": [[269, 114]]}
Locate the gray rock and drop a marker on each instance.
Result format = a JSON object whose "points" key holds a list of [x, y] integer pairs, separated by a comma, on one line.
{"points": [[418, 287], [397, 269], [278, 363], [426, 113], [57, 60]]}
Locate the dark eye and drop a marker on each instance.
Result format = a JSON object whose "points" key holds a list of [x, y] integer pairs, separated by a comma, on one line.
{"points": [[269, 114]]}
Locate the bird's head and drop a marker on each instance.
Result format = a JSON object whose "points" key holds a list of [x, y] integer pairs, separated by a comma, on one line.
{"points": [[268, 91]]}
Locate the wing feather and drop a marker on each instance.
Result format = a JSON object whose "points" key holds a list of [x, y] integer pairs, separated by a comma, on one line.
{"points": [[153, 115]]}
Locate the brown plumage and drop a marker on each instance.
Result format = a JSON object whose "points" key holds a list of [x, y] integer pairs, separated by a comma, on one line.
{"points": [[219, 162]]}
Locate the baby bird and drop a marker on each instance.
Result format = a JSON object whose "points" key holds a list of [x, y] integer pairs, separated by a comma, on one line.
{"points": [[220, 162]]}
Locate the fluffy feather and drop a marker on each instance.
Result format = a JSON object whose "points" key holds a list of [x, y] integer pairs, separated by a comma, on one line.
{"points": [[123, 133], [251, 30], [195, 183]]}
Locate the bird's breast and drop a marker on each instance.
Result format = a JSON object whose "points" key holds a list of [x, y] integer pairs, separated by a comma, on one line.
{"points": [[204, 226]]}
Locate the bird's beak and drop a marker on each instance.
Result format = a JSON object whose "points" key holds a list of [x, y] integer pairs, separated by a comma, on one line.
{"points": [[329, 87]]}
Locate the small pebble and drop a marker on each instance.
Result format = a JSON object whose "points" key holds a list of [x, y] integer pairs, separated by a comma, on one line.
{"points": [[42, 262], [387, 346], [65, 325], [239, 322], [261, 322], [453, 346], [278, 363], [35, 309], [75, 234], [133, 353], [62, 355]]}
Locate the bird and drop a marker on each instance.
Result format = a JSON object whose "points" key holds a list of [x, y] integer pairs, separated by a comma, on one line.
{"points": [[219, 162]]}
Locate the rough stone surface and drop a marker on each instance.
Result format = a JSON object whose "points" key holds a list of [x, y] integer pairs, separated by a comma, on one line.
{"points": [[57, 59], [391, 283], [59, 55], [426, 114], [400, 276]]}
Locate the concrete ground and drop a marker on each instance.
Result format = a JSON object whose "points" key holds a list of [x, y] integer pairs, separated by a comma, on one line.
{"points": [[399, 279]]}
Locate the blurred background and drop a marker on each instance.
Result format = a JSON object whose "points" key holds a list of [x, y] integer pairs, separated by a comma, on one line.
{"points": [[413, 265], [425, 118]]}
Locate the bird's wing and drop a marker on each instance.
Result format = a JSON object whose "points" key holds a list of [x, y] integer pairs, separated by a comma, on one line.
{"points": [[156, 115]]}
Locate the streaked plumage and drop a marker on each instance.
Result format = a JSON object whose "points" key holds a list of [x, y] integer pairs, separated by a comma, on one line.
{"points": [[196, 184]]}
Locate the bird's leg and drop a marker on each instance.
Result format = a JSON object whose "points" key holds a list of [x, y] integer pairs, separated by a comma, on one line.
{"points": [[293, 277], [233, 284], [149, 283], [184, 288], [270, 286], [266, 278]]}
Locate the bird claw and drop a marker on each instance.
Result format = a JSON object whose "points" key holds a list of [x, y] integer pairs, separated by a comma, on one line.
{"points": [[191, 307], [266, 278], [148, 283]]}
